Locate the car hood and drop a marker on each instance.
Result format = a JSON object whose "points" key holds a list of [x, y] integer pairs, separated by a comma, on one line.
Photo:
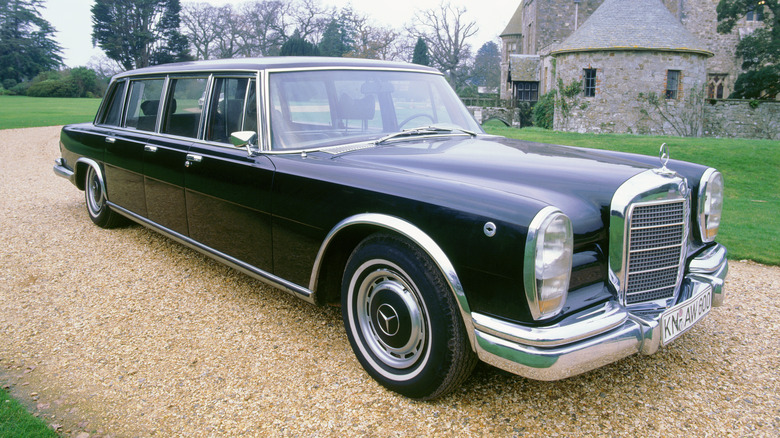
{"points": [[581, 182]]}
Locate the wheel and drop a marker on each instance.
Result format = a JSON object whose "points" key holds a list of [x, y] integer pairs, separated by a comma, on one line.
{"points": [[94, 194], [402, 320], [415, 116]]}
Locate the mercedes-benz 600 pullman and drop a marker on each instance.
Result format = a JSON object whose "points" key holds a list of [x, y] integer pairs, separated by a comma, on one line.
{"points": [[367, 184]]}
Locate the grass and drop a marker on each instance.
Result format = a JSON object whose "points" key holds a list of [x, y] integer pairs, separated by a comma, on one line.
{"points": [[751, 168], [16, 422], [28, 112], [750, 229]]}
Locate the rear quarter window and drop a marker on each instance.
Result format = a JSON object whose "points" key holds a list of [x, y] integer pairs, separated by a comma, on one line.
{"points": [[113, 113]]}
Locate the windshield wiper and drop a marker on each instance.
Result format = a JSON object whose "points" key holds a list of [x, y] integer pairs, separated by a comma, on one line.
{"points": [[425, 130]]}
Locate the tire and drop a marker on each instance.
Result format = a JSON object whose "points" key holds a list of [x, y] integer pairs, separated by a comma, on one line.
{"points": [[402, 320], [95, 198]]}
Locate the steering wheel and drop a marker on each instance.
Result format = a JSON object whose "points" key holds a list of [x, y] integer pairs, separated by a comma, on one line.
{"points": [[415, 116]]}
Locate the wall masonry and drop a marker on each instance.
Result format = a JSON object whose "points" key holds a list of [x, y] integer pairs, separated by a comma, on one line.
{"points": [[732, 118]]}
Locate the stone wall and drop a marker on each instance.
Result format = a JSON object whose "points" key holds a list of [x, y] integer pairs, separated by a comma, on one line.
{"points": [[701, 19], [739, 119], [621, 77], [510, 116]]}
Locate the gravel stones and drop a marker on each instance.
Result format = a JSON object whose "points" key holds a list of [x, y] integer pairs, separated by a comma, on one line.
{"points": [[126, 333]]}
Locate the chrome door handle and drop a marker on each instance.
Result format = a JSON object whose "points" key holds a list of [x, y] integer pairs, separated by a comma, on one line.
{"points": [[191, 158], [150, 148], [111, 140]]}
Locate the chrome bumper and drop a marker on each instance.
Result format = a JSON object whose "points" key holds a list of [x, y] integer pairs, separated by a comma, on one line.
{"points": [[60, 169], [591, 338]]}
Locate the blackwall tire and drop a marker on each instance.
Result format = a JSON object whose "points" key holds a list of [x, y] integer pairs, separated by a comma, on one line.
{"points": [[402, 320], [95, 198]]}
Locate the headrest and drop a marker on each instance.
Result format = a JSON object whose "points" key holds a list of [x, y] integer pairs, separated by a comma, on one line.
{"points": [[149, 107]]}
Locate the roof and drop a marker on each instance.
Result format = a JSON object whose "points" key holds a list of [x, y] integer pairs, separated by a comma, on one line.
{"points": [[525, 68], [515, 25], [632, 25], [274, 63]]}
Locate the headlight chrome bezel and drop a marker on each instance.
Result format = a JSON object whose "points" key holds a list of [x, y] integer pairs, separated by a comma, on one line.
{"points": [[710, 190], [547, 296]]}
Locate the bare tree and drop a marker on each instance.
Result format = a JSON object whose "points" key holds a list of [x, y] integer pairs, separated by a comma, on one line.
{"points": [[231, 34], [446, 30], [200, 27], [267, 31], [374, 42], [309, 18]]}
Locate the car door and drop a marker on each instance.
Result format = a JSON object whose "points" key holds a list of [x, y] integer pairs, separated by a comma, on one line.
{"points": [[228, 192], [124, 152], [165, 153]]}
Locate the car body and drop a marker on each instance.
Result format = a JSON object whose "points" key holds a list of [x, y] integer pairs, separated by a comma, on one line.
{"points": [[367, 184]]}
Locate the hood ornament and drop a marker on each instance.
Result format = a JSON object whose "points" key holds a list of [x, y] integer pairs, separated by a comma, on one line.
{"points": [[663, 155]]}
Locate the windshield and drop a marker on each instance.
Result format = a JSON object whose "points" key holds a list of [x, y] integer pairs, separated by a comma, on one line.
{"points": [[314, 109]]}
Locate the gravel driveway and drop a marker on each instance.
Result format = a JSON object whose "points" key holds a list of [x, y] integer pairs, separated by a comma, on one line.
{"points": [[125, 333]]}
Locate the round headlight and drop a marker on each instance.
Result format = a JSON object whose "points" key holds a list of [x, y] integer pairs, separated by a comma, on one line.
{"points": [[710, 204], [547, 265]]}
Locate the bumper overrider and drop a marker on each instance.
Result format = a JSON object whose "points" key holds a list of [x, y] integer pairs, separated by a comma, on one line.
{"points": [[594, 337]]}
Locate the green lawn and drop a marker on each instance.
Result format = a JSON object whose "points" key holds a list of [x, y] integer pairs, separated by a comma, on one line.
{"points": [[28, 112], [751, 168], [16, 422], [750, 229]]}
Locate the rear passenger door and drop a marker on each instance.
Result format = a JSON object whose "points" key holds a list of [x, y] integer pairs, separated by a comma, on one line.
{"points": [[165, 154], [124, 152], [228, 191]]}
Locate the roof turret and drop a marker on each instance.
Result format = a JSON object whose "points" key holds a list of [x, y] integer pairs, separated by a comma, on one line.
{"points": [[632, 25]]}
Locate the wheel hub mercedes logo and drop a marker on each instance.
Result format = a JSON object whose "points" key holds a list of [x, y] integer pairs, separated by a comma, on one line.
{"points": [[387, 320]]}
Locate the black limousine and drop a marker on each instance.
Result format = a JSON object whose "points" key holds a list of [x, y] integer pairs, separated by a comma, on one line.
{"points": [[367, 184]]}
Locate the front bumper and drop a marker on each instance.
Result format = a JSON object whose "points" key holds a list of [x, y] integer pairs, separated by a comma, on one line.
{"points": [[591, 338]]}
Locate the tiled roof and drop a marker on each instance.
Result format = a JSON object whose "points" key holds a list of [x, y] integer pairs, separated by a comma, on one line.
{"points": [[524, 67], [515, 25], [631, 25]]}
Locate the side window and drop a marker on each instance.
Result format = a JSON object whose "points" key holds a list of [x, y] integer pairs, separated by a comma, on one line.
{"points": [[672, 83], [589, 86], [183, 111], [143, 104], [233, 108], [112, 114]]}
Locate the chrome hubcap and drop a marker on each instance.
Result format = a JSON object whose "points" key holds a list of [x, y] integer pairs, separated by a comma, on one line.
{"points": [[94, 193], [392, 318]]}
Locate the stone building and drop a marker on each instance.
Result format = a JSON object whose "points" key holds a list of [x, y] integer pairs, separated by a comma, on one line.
{"points": [[669, 51]]}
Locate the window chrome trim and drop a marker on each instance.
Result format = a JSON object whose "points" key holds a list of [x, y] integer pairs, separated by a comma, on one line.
{"points": [[650, 186]]}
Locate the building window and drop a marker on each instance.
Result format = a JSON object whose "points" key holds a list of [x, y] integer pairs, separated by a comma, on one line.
{"points": [[756, 14], [527, 91], [715, 85], [672, 83], [590, 82]]}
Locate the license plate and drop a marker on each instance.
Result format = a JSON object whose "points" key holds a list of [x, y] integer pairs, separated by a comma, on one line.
{"points": [[683, 316]]}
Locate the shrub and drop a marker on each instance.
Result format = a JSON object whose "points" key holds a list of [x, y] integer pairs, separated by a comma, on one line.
{"points": [[76, 82], [543, 111], [53, 88]]}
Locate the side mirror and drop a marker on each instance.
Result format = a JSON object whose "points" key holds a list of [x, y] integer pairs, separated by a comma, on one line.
{"points": [[245, 139]]}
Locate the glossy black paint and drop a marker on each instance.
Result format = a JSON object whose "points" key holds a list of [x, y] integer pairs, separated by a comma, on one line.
{"points": [[273, 211]]}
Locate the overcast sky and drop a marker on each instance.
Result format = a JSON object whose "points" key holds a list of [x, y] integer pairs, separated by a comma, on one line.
{"points": [[73, 20]]}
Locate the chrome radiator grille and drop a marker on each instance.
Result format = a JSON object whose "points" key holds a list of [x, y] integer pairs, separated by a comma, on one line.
{"points": [[655, 249]]}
